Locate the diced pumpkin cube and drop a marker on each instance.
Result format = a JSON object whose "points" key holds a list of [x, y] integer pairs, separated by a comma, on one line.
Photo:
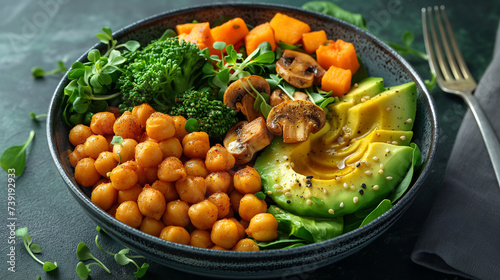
{"points": [[288, 29], [201, 36], [337, 80], [185, 28], [312, 40], [230, 32], [259, 34], [338, 53]]}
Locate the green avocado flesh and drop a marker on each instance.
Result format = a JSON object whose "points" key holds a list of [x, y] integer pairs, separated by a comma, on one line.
{"points": [[353, 162]]}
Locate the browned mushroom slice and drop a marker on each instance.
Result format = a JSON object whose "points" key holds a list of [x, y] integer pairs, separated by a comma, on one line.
{"points": [[299, 69], [295, 120], [278, 96], [234, 96], [246, 138]]}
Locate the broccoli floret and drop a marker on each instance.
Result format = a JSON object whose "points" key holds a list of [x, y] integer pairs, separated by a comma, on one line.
{"points": [[213, 116], [158, 73]]}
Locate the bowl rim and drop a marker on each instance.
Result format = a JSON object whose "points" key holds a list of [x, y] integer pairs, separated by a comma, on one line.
{"points": [[390, 214]]}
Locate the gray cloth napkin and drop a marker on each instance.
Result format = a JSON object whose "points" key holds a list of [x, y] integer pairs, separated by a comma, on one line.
{"points": [[462, 233]]}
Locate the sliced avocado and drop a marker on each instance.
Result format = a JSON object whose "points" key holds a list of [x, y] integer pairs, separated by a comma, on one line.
{"points": [[328, 177]]}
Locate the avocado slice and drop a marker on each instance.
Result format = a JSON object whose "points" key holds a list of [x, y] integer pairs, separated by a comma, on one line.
{"points": [[364, 160]]}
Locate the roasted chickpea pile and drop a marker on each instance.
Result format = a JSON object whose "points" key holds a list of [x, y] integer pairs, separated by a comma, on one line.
{"points": [[170, 183]]}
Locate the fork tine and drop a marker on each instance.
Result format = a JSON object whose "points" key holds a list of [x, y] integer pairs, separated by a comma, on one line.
{"points": [[426, 12], [446, 45], [461, 62], [443, 65]]}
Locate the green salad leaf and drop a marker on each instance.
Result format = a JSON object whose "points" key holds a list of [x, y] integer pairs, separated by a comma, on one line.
{"points": [[336, 11]]}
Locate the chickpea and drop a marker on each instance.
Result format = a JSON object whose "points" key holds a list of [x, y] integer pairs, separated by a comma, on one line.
{"points": [[145, 137], [76, 155], [176, 213], [191, 189], [235, 198], [128, 213], [149, 175], [241, 228], [124, 176], [250, 206], [171, 147], [218, 182], [78, 134], [225, 233], [104, 196], [171, 169], [160, 126], [203, 214], [167, 189], [219, 248], [94, 145], [263, 227], [151, 203], [148, 154], [247, 180], [196, 167], [105, 162], [142, 113], [175, 234], [201, 239], [85, 172], [180, 127], [246, 244], [102, 123], [219, 159], [196, 144], [125, 151], [127, 126], [131, 194], [221, 200], [152, 226], [101, 181], [112, 211]]}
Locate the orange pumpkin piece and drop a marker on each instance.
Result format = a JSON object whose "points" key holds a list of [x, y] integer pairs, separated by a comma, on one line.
{"points": [[259, 34], [201, 36], [337, 80], [288, 29], [231, 32], [185, 28], [311, 41], [339, 54]]}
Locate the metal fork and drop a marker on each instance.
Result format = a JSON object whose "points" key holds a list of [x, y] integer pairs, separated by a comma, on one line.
{"points": [[453, 76]]}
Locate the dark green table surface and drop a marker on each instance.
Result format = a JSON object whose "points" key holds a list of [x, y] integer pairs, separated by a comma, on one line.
{"points": [[41, 32]]}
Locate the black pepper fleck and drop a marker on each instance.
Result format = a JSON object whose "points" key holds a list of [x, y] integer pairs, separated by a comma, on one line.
{"points": [[358, 164], [309, 177], [288, 201], [308, 184], [361, 192], [363, 185]]}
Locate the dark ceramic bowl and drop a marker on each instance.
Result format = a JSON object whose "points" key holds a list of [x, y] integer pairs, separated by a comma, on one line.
{"points": [[380, 61]]}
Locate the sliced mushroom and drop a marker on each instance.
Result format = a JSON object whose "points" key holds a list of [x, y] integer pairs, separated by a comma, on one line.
{"points": [[237, 97], [295, 120], [246, 138], [299, 69], [278, 96]]}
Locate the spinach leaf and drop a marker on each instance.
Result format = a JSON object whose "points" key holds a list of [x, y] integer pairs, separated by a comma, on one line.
{"points": [[334, 10]]}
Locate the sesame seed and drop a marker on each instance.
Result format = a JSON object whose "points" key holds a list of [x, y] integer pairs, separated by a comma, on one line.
{"points": [[375, 158], [358, 164], [377, 134], [309, 202], [292, 165], [395, 143], [381, 171], [285, 157], [355, 85], [276, 186], [338, 178], [341, 205], [388, 151], [269, 192], [368, 172], [288, 194], [409, 120], [340, 140], [346, 186], [361, 192], [352, 187], [330, 211], [309, 195], [388, 109], [325, 191], [402, 138], [355, 199], [388, 178], [279, 191], [381, 166], [375, 188]]}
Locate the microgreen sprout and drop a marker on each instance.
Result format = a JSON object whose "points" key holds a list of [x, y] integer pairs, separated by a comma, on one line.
{"points": [[36, 117], [14, 157], [83, 253], [117, 140], [38, 72], [34, 249]]}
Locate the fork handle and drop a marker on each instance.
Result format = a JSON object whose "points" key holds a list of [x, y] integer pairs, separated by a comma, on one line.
{"points": [[487, 131]]}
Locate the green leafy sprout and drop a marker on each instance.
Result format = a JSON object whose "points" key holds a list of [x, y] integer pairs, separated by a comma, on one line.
{"points": [[38, 72], [34, 249], [14, 157], [83, 253]]}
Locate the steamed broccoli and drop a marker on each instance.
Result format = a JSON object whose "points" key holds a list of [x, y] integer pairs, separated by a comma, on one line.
{"points": [[213, 116], [158, 73]]}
